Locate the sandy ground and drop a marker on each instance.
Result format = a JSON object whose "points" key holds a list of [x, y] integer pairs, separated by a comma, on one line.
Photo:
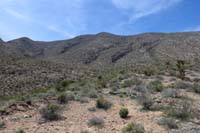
{"points": [[76, 116]]}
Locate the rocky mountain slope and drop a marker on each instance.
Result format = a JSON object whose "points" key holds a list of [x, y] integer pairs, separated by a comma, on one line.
{"points": [[106, 48]]}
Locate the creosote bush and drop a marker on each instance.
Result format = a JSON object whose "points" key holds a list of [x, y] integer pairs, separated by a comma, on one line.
{"points": [[147, 101], [96, 122], [133, 128], [196, 88], [183, 111], [181, 68], [156, 86], [103, 103], [50, 112], [123, 113], [169, 123]]}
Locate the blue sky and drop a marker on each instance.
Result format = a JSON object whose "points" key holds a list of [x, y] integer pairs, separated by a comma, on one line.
{"points": [[62, 19]]}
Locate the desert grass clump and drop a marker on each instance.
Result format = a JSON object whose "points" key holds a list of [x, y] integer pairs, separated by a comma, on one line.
{"points": [[156, 86], [2, 124], [183, 111], [169, 123], [196, 88], [123, 113], [133, 128], [103, 103], [50, 112], [96, 122]]}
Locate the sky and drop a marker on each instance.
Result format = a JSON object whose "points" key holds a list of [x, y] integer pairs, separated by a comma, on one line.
{"points": [[48, 20]]}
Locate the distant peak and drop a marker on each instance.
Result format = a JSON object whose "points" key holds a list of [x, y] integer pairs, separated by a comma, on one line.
{"points": [[1, 40], [22, 39], [105, 34]]}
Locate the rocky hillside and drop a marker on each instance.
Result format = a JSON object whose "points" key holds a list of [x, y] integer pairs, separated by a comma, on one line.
{"points": [[106, 48]]}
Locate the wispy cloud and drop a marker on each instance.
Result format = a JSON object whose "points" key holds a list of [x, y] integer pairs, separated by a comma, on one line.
{"points": [[142, 8], [59, 18], [195, 28]]}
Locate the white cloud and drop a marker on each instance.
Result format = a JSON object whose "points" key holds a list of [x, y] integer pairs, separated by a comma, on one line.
{"points": [[65, 18], [141, 8], [195, 28]]}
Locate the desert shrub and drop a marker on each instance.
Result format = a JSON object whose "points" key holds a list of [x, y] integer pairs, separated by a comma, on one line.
{"points": [[196, 88], [103, 103], [169, 123], [50, 112], [182, 85], [156, 86], [131, 82], [62, 98], [92, 94], [96, 122], [133, 128], [3, 112], [180, 64], [60, 88], [146, 101], [92, 109], [2, 124], [20, 131], [123, 113], [170, 93], [149, 71], [85, 131], [183, 111], [66, 83], [142, 89]]}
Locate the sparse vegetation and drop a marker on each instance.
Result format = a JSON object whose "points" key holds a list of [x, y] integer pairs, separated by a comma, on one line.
{"points": [[2, 124], [131, 82], [103, 103], [180, 64], [169, 123], [183, 111], [133, 128], [50, 112], [20, 131], [62, 98], [146, 101], [156, 86], [96, 122], [173, 93], [196, 88], [123, 113]]}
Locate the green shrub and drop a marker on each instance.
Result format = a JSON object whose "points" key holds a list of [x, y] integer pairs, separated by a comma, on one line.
{"points": [[62, 98], [131, 82], [60, 88], [133, 128], [146, 101], [20, 131], [156, 86], [181, 68], [92, 94], [170, 93], [183, 111], [50, 112], [196, 88], [169, 123], [66, 83], [123, 113], [96, 121], [149, 72], [102, 103], [2, 124]]}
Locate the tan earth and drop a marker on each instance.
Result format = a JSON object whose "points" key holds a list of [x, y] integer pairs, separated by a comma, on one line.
{"points": [[76, 116]]}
